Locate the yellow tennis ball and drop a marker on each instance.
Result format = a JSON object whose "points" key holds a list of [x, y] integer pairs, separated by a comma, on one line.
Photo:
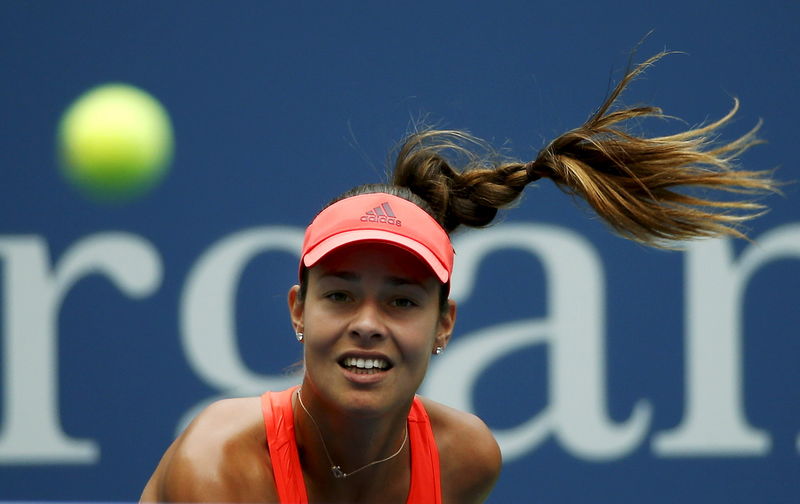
{"points": [[115, 142]]}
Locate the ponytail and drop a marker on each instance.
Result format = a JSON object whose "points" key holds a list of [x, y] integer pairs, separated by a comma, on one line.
{"points": [[629, 180], [470, 196]]}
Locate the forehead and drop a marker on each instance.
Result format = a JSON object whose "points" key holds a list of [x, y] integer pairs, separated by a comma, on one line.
{"points": [[376, 259]]}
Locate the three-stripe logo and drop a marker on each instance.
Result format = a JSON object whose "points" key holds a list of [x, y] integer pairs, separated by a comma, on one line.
{"points": [[383, 214]]}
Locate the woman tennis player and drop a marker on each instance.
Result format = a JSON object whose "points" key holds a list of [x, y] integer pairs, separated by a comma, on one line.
{"points": [[371, 308]]}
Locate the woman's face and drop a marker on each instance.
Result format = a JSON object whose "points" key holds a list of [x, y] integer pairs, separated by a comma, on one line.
{"points": [[371, 319]]}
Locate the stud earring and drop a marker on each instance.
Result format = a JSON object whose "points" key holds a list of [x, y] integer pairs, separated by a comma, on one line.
{"points": [[438, 350], [299, 336]]}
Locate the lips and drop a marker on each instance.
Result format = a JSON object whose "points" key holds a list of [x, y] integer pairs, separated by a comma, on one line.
{"points": [[366, 364]]}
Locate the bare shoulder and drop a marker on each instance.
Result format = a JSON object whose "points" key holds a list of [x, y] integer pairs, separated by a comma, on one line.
{"points": [[222, 456], [469, 456]]}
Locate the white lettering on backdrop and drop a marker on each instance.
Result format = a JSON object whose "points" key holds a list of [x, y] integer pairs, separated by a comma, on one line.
{"points": [[30, 431], [208, 311], [714, 422], [574, 332]]}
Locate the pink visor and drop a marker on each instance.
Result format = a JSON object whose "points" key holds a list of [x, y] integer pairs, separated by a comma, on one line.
{"points": [[384, 218]]}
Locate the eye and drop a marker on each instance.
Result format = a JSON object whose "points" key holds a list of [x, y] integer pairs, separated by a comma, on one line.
{"points": [[403, 303], [338, 297]]}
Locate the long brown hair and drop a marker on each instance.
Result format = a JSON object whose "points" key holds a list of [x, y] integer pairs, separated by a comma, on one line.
{"points": [[629, 180]]}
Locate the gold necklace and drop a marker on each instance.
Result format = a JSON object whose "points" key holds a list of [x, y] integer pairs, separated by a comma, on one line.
{"points": [[336, 470]]}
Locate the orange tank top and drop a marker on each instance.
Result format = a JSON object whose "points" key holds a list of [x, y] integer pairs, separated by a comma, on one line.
{"points": [[279, 425]]}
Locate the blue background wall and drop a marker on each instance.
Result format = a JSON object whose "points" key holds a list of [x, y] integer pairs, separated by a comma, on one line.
{"points": [[278, 107]]}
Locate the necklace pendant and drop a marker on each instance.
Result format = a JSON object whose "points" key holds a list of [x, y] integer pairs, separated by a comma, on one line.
{"points": [[337, 472]]}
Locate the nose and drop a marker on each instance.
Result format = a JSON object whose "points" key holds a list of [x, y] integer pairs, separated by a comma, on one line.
{"points": [[367, 322]]}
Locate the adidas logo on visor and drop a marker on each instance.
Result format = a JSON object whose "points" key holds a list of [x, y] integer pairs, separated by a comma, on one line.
{"points": [[382, 214]]}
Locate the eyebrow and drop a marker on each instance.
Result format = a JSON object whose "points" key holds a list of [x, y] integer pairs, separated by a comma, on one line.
{"points": [[352, 277], [344, 275], [394, 280]]}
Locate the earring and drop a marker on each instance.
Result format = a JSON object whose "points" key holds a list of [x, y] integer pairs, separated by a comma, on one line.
{"points": [[438, 350], [299, 336]]}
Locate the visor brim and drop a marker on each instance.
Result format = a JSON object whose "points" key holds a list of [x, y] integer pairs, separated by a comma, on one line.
{"points": [[345, 238]]}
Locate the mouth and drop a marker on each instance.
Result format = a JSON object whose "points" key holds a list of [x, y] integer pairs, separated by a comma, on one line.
{"points": [[365, 365]]}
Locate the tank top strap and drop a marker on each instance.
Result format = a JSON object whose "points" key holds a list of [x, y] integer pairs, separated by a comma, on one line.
{"points": [[425, 472], [279, 425]]}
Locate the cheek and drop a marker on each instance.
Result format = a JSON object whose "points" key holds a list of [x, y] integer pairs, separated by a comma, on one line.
{"points": [[318, 323], [424, 333]]}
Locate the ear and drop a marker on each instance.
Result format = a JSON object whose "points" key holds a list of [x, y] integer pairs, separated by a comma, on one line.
{"points": [[296, 308], [447, 321]]}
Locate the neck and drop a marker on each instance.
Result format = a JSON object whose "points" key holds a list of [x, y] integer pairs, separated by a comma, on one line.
{"points": [[351, 441]]}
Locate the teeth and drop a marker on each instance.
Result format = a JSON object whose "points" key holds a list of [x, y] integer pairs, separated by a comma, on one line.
{"points": [[362, 363]]}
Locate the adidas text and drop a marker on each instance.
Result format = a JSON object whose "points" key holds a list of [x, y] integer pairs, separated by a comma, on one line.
{"points": [[382, 219]]}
